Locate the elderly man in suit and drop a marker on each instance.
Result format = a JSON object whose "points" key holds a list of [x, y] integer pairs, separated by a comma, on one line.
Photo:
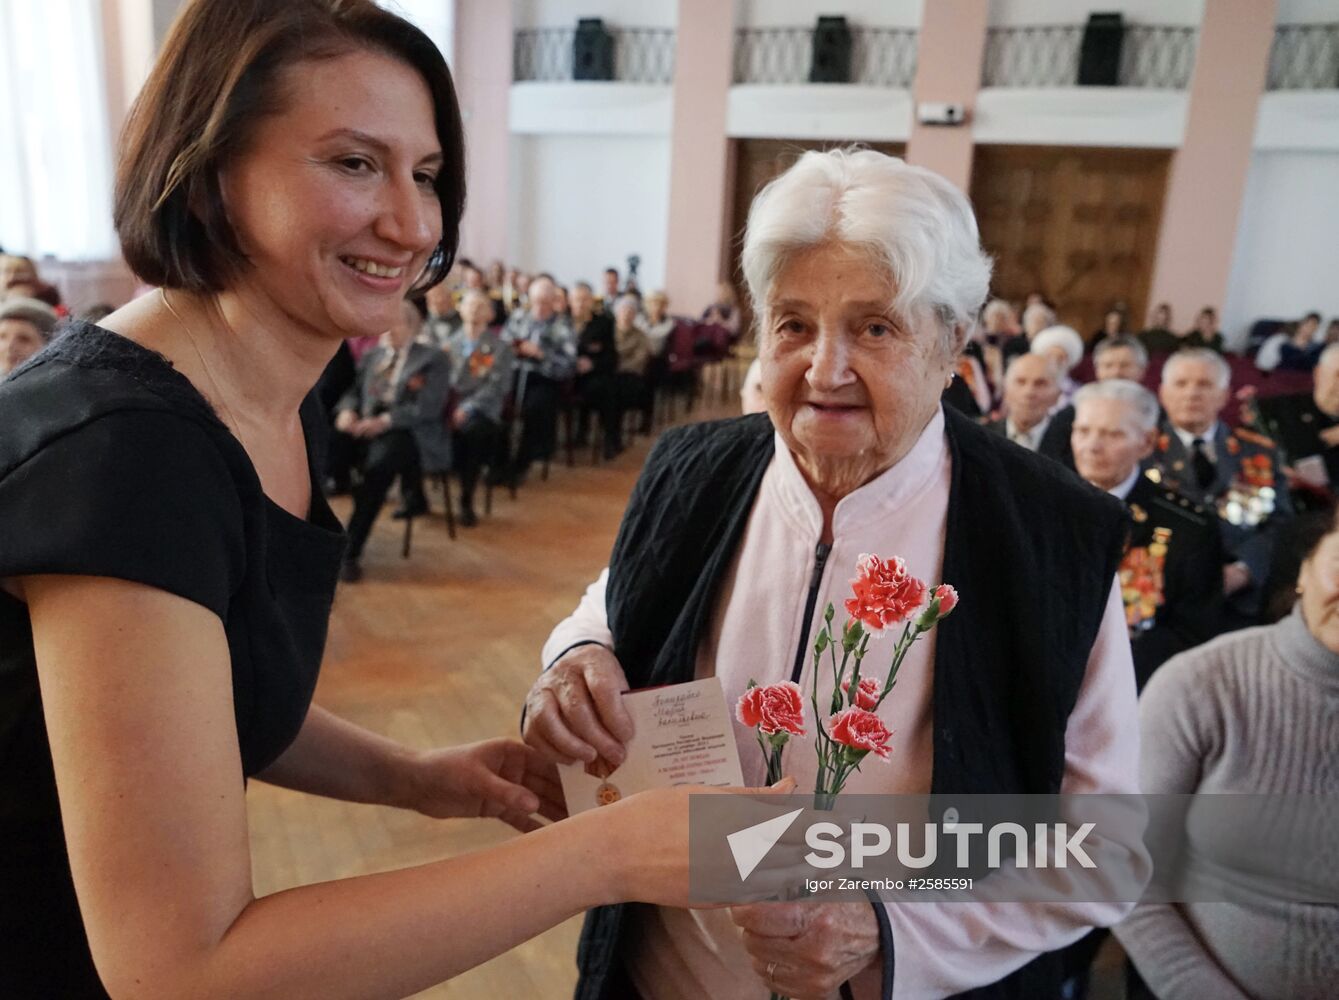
{"points": [[481, 370], [1031, 390], [395, 409], [1237, 473]]}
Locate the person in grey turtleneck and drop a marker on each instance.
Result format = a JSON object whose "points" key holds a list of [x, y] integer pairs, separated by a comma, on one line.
{"points": [[1253, 712]]}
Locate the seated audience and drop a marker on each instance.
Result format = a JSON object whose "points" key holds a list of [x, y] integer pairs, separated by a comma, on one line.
{"points": [[1001, 338], [1122, 356], [546, 356], [1031, 387], [1237, 473], [395, 410], [609, 291], [1306, 428], [1159, 336], [1171, 575], [751, 399], [659, 323], [513, 291], [597, 363], [1295, 348], [496, 276], [25, 328], [19, 279], [1064, 346], [474, 280], [1205, 332], [1252, 713], [1113, 325], [633, 351], [1037, 317], [443, 315], [481, 371], [724, 311]]}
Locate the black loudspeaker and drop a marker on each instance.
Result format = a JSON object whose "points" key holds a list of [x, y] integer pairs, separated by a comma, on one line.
{"points": [[832, 51], [592, 51], [1099, 56]]}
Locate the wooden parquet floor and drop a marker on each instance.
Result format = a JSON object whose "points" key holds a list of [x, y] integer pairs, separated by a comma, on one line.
{"points": [[438, 649]]}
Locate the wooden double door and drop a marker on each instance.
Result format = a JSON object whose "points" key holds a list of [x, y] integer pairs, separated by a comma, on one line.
{"points": [[1079, 224]]}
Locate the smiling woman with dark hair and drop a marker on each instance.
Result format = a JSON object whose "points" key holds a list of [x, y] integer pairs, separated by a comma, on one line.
{"points": [[167, 564]]}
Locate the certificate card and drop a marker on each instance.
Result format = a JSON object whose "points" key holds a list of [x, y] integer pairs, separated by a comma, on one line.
{"points": [[682, 735]]}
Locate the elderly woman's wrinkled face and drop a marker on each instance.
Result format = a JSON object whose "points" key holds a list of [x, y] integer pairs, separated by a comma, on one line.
{"points": [[1319, 585], [19, 341], [849, 385]]}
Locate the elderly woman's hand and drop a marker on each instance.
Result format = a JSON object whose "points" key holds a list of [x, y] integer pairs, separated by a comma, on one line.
{"points": [[575, 711], [810, 949]]}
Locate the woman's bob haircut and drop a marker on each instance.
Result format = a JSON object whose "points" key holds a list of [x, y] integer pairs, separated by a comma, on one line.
{"points": [[217, 76], [911, 221]]}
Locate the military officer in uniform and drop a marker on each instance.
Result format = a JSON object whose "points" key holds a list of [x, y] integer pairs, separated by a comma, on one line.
{"points": [[1306, 427], [1236, 473], [1171, 576]]}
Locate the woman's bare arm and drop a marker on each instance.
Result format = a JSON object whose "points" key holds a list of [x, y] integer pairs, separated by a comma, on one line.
{"points": [[136, 686]]}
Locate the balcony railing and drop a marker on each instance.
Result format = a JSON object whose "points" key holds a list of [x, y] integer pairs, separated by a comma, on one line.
{"points": [[880, 57], [1156, 56], [1304, 57], [641, 55]]}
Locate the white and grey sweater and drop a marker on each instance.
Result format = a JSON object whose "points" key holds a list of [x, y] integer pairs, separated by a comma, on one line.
{"points": [[1255, 712]]}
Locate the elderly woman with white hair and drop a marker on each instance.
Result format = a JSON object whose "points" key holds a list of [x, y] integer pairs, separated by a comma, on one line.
{"points": [[867, 276], [1064, 346]]}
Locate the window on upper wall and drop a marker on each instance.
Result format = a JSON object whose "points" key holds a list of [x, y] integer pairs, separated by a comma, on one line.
{"points": [[55, 147]]}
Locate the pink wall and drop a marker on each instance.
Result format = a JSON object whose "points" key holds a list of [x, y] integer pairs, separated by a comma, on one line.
{"points": [[948, 68], [699, 154], [482, 70], [1208, 175]]}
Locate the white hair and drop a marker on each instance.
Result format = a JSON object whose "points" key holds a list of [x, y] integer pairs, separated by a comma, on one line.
{"points": [[1045, 315], [1222, 370], [627, 302], [1142, 404], [996, 308], [1064, 337], [908, 219]]}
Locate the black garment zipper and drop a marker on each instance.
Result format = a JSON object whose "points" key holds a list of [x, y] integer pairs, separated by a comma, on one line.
{"points": [[820, 560]]}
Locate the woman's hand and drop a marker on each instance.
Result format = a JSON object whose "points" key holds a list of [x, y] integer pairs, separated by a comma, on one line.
{"points": [[495, 779], [648, 848]]}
